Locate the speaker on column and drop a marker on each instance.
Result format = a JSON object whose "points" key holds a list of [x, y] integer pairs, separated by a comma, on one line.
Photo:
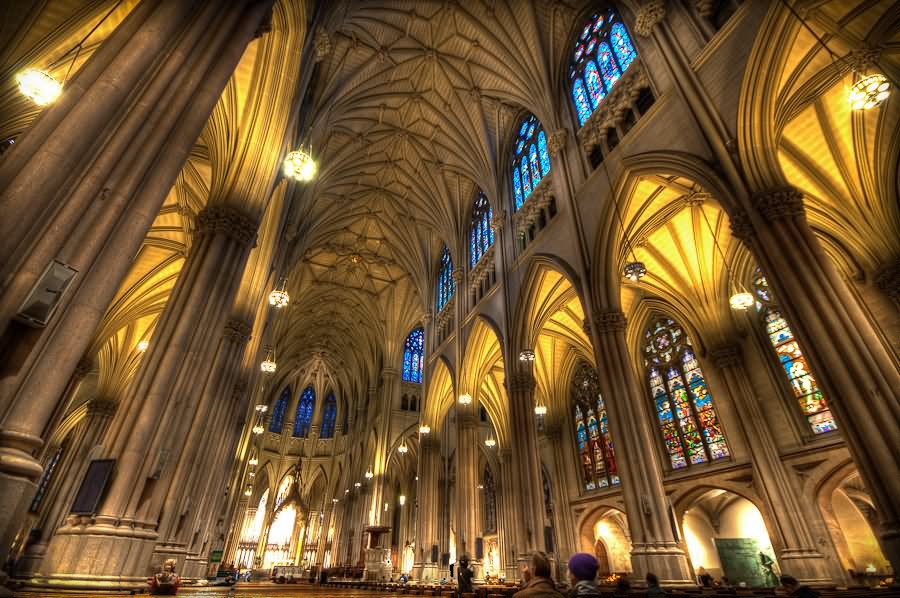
{"points": [[434, 553]]}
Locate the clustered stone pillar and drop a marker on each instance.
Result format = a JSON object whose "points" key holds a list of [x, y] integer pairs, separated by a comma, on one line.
{"points": [[509, 523], [424, 566], [654, 547], [153, 436], [467, 495], [95, 169], [854, 368], [529, 497], [790, 533]]}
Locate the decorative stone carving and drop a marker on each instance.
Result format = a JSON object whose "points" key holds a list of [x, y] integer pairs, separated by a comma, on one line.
{"points": [[84, 367], [648, 15], [322, 44], [741, 227], [521, 382], [498, 219], [726, 356], [482, 269], [237, 331], [218, 219], [777, 204], [705, 8], [530, 212], [556, 142], [862, 59], [609, 321], [696, 198], [613, 107], [457, 277], [888, 280], [102, 407]]}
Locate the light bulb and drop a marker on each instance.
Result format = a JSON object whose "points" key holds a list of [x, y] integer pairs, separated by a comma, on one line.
{"points": [[741, 301], [465, 399], [490, 442], [300, 166], [142, 346], [38, 86], [424, 429], [868, 92], [540, 409]]}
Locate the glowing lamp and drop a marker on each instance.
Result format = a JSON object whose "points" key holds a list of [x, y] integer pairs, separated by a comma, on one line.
{"points": [[268, 365], [251, 475], [480, 487], [143, 345], [357, 484], [334, 500], [262, 408], [252, 461], [490, 442], [424, 429], [540, 410], [634, 271], [257, 429], [38, 86], [248, 491], [402, 499], [526, 356], [741, 301], [402, 449], [300, 166], [465, 399], [279, 297], [369, 475], [868, 92]]}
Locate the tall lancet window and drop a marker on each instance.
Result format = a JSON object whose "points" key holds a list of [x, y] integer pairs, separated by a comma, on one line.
{"points": [[531, 161], [602, 53], [329, 415], [277, 421], [595, 446], [414, 356], [489, 493], [305, 407], [812, 402], [687, 419], [481, 236], [445, 279]]}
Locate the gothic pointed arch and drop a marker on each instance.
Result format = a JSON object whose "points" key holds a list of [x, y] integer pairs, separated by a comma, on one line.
{"points": [[530, 159], [445, 286], [305, 408], [276, 421], [481, 234], [329, 415], [414, 356]]}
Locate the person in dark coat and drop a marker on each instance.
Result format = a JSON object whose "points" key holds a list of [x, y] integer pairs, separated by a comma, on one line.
{"points": [[583, 575], [794, 588], [464, 576], [536, 575]]}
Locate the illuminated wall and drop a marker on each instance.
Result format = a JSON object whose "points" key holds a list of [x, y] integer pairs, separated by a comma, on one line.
{"points": [[861, 542]]}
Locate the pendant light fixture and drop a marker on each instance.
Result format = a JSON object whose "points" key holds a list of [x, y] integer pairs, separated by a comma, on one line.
{"points": [[403, 449], [268, 365], [300, 166], [741, 299], [465, 399], [279, 296], [634, 270]]}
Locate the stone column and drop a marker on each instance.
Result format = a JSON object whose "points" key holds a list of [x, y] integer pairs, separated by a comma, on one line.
{"points": [[97, 232], [789, 530], [508, 521], [529, 495], [566, 535], [654, 547], [854, 368], [148, 440], [467, 495], [427, 506]]}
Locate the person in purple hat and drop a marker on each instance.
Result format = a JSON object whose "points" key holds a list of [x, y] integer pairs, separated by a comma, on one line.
{"points": [[582, 575]]}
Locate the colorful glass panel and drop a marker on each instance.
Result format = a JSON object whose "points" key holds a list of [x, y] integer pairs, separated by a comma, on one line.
{"points": [[592, 435], [413, 356], [277, 421], [481, 235], [329, 415], [530, 162], [543, 153], [603, 52], [812, 401], [535, 165], [526, 178], [305, 407], [517, 188], [687, 419], [445, 279]]}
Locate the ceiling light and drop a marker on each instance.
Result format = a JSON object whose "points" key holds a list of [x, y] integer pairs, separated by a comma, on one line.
{"points": [[540, 409], [424, 429], [634, 271], [252, 461], [38, 86], [369, 475], [357, 484], [268, 365], [741, 301], [868, 92], [251, 474], [258, 429], [300, 166], [490, 442], [465, 399], [143, 345], [279, 297], [262, 408], [248, 491], [403, 449], [480, 487], [526, 355], [334, 500], [402, 500]]}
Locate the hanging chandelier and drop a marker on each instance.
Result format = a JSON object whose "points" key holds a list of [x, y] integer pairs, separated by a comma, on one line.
{"points": [[38, 86], [402, 499], [465, 399], [634, 271], [540, 409], [143, 345], [357, 484], [369, 475], [258, 429], [869, 91], [490, 442], [300, 166], [403, 449], [741, 301], [268, 365], [424, 429], [252, 460], [279, 297], [248, 491], [526, 356]]}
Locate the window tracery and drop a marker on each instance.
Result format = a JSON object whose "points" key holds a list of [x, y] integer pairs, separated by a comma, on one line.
{"points": [[277, 421], [329, 415], [481, 234], [305, 407], [445, 279], [531, 160], [592, 436], [413, 356], [687, 419]]}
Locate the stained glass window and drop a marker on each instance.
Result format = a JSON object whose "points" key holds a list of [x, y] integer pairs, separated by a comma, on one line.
{"points": [[329, 415], [277, 421], [602, 53], [592, 437], [531, 160], [584, 109], [489, 492], [413, 356], [794, 365], [687, 419], [305, 407], [481, 235], [444, 290]]}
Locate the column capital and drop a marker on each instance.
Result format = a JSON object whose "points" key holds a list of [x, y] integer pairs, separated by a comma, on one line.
{"points": [[102, 406], [609, 321], [457, 277], [222, 219], [779, 203], [498, 219], [556, 142], [741, 227], [726, 356], [237, 330], [85, 366], [521, 382], [389, 372], [648, 15]]}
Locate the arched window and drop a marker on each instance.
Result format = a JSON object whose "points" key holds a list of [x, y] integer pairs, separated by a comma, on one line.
{"points": [[329, 415], [445, 279], [687, 419], [602, 53], [481, 235], [305, 407], [489, 492], [595, 446], [413, 356], [531, 161], [812, 401], [277, 421]]}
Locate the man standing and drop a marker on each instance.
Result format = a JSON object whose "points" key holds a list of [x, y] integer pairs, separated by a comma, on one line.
{"points": [[536, 574]]}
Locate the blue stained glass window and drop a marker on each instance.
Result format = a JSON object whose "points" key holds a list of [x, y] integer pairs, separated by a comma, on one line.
{"points": [[604, 43], [530, 162], [481, 235], [277, 421], [329, 415], [544, 154], [414, 356], [445, 279], [596, 90], [595, 447], [579, 95], [305, 407]]}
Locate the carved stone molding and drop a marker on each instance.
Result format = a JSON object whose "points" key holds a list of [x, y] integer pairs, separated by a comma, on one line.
{"points": [[648, 15], [457, 277], [862, 59], [556, 142], [741, 227], [705, 8], [521, 382], [609, 321], [531, 209], [102, 407], [726, 356], [227, 221], [237, 331], [888, 280], [614, 106], [498, 219], [322, 44], [778, 204], [482, 269], [84, 367]]}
